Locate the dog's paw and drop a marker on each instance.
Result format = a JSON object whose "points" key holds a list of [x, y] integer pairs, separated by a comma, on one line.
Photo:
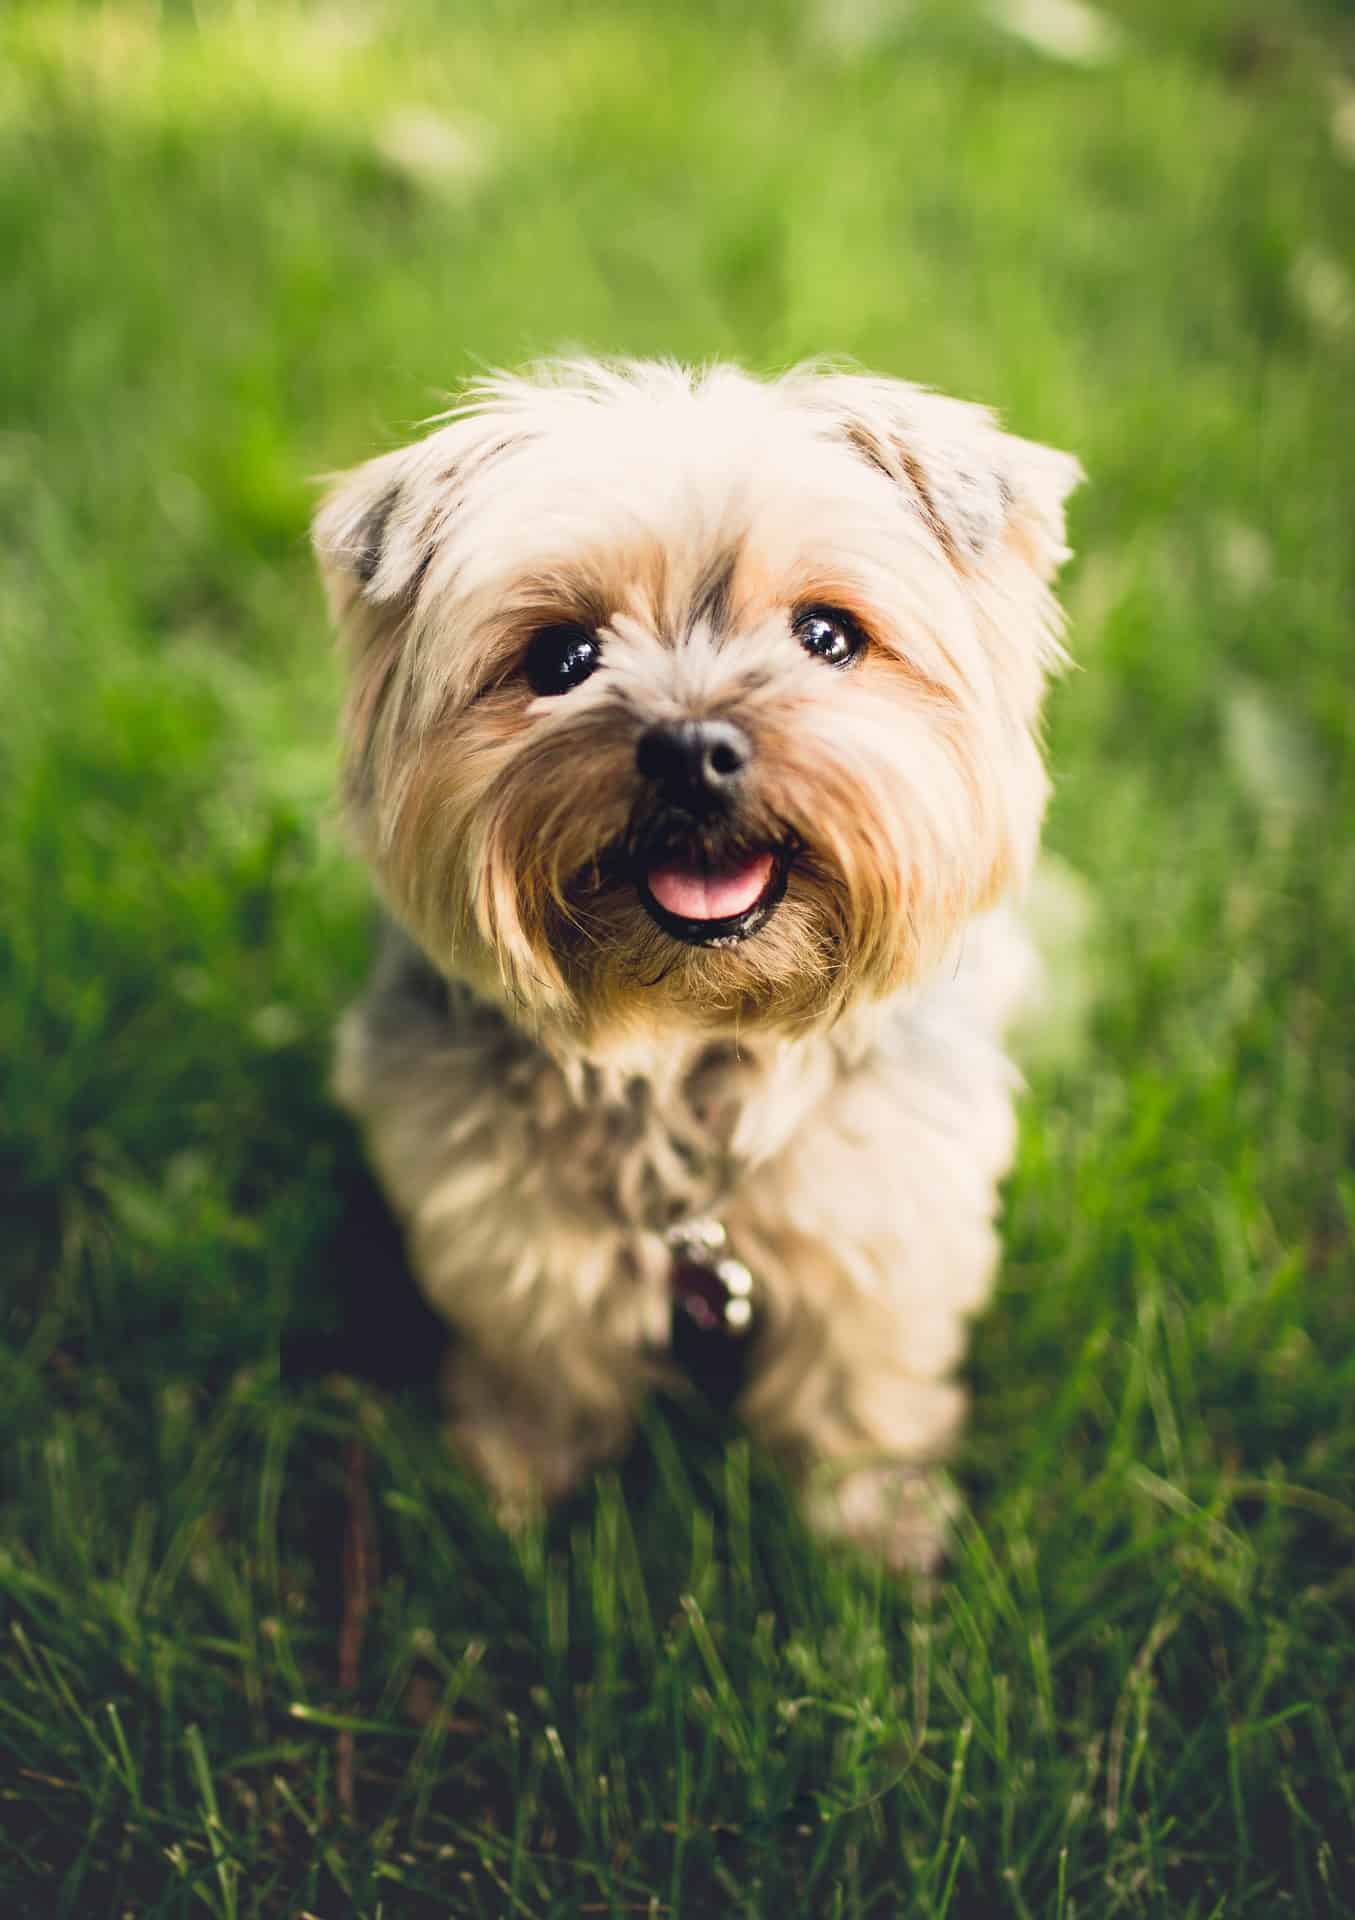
{"points": [[901, 1514], [524, 1469]]}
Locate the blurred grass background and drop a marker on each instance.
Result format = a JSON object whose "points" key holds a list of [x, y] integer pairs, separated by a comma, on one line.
{"points": [[246, 243]]}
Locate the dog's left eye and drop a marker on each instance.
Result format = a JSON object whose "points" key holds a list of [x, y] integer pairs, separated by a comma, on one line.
{"points": [[561, 658], [829, 635]]}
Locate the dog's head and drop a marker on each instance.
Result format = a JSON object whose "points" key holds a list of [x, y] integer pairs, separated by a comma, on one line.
{"points": [[683, 696]]}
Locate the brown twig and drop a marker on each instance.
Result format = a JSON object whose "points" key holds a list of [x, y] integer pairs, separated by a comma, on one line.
{"points": [[359, 1578]]}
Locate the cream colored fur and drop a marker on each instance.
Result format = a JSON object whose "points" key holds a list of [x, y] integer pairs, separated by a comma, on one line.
{"points": [[833, 1088]]}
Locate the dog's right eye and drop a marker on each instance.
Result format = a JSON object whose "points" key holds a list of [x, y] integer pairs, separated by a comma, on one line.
{"points": [[561, 658]]}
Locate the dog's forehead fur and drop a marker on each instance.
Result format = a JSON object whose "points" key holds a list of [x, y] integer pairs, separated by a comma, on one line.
{"points": [[686, 472], [644, 485]]}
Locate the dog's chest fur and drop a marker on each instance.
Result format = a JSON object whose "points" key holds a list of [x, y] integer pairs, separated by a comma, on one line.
{"points": [[645, 1150], [851, 1168], [501, 1157], [638, 1139]]}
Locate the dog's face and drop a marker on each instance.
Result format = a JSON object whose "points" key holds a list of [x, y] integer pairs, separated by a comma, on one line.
{"points": [[684, 697]]}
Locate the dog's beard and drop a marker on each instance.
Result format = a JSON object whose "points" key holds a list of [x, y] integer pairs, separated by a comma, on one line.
{"points": [[695, 908], [706, 879], [750, 938]]}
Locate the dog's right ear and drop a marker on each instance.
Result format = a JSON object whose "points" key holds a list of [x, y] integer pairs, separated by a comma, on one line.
{"points": [[379, 529], [375, 536], [378, 537], [366, 539]]}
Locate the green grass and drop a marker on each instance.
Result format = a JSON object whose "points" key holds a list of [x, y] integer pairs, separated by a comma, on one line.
{"points": [[235, 257]]}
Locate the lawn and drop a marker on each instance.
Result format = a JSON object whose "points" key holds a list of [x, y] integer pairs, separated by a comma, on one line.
{"points": [[245, 244]]}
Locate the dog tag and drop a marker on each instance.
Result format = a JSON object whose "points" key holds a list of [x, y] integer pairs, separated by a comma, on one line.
{"points": [[712, 1289]]}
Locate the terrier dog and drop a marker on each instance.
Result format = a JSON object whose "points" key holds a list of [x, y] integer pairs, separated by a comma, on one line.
{"points": [[692, 739]]}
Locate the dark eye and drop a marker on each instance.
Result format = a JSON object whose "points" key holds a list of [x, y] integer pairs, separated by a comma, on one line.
{"points": [[561, 658], [829, 635]]}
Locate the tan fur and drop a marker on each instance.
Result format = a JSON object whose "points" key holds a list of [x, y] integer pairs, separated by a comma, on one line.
{"points": [[833, 1087]]}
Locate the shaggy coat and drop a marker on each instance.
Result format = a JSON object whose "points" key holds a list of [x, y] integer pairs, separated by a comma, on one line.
{"points": [[548, 1080]]}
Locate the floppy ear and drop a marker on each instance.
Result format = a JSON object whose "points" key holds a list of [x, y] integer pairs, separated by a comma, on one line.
{"points": [[365, 539], [970, 482], [375, 536], [378, 537], [378, 530], [1040, 479]]}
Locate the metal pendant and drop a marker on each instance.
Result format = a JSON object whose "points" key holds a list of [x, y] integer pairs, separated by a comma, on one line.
{"points": [[714, 1290]]}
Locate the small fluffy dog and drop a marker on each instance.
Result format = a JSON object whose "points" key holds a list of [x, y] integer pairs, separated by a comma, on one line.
{"points": [[692, 739]]}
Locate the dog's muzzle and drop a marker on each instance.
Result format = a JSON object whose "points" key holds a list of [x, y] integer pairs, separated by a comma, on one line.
{"points": [[699, 879]]}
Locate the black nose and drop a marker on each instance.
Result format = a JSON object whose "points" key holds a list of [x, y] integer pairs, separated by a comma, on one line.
{"points": [[695, 762]]}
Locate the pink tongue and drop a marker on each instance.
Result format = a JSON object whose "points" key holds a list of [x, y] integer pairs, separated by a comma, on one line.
{"points": [[693, 892]]}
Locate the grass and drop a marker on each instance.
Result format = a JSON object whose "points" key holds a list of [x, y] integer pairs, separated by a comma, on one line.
{"points": [[245, 244]]}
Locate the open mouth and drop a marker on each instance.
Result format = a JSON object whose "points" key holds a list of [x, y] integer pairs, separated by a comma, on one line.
{"points": [[716, 902]]}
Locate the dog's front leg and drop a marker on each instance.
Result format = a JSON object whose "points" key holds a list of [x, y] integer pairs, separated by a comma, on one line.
{"points": [[549, 1300], [531, 1425], [548, 1359], [859, 1426], [861, 1333]]}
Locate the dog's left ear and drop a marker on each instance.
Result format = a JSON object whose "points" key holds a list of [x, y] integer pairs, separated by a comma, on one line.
{"points": [[971, 483]]}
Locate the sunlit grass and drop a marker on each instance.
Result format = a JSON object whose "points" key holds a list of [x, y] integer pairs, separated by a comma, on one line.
{"points": [[246, 244]]}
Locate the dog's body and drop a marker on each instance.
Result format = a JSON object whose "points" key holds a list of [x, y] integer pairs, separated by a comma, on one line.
{"points": [[692, 741]]}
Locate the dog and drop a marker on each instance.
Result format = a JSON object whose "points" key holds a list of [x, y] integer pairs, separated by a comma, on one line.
{"points": [[692, 739]]}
